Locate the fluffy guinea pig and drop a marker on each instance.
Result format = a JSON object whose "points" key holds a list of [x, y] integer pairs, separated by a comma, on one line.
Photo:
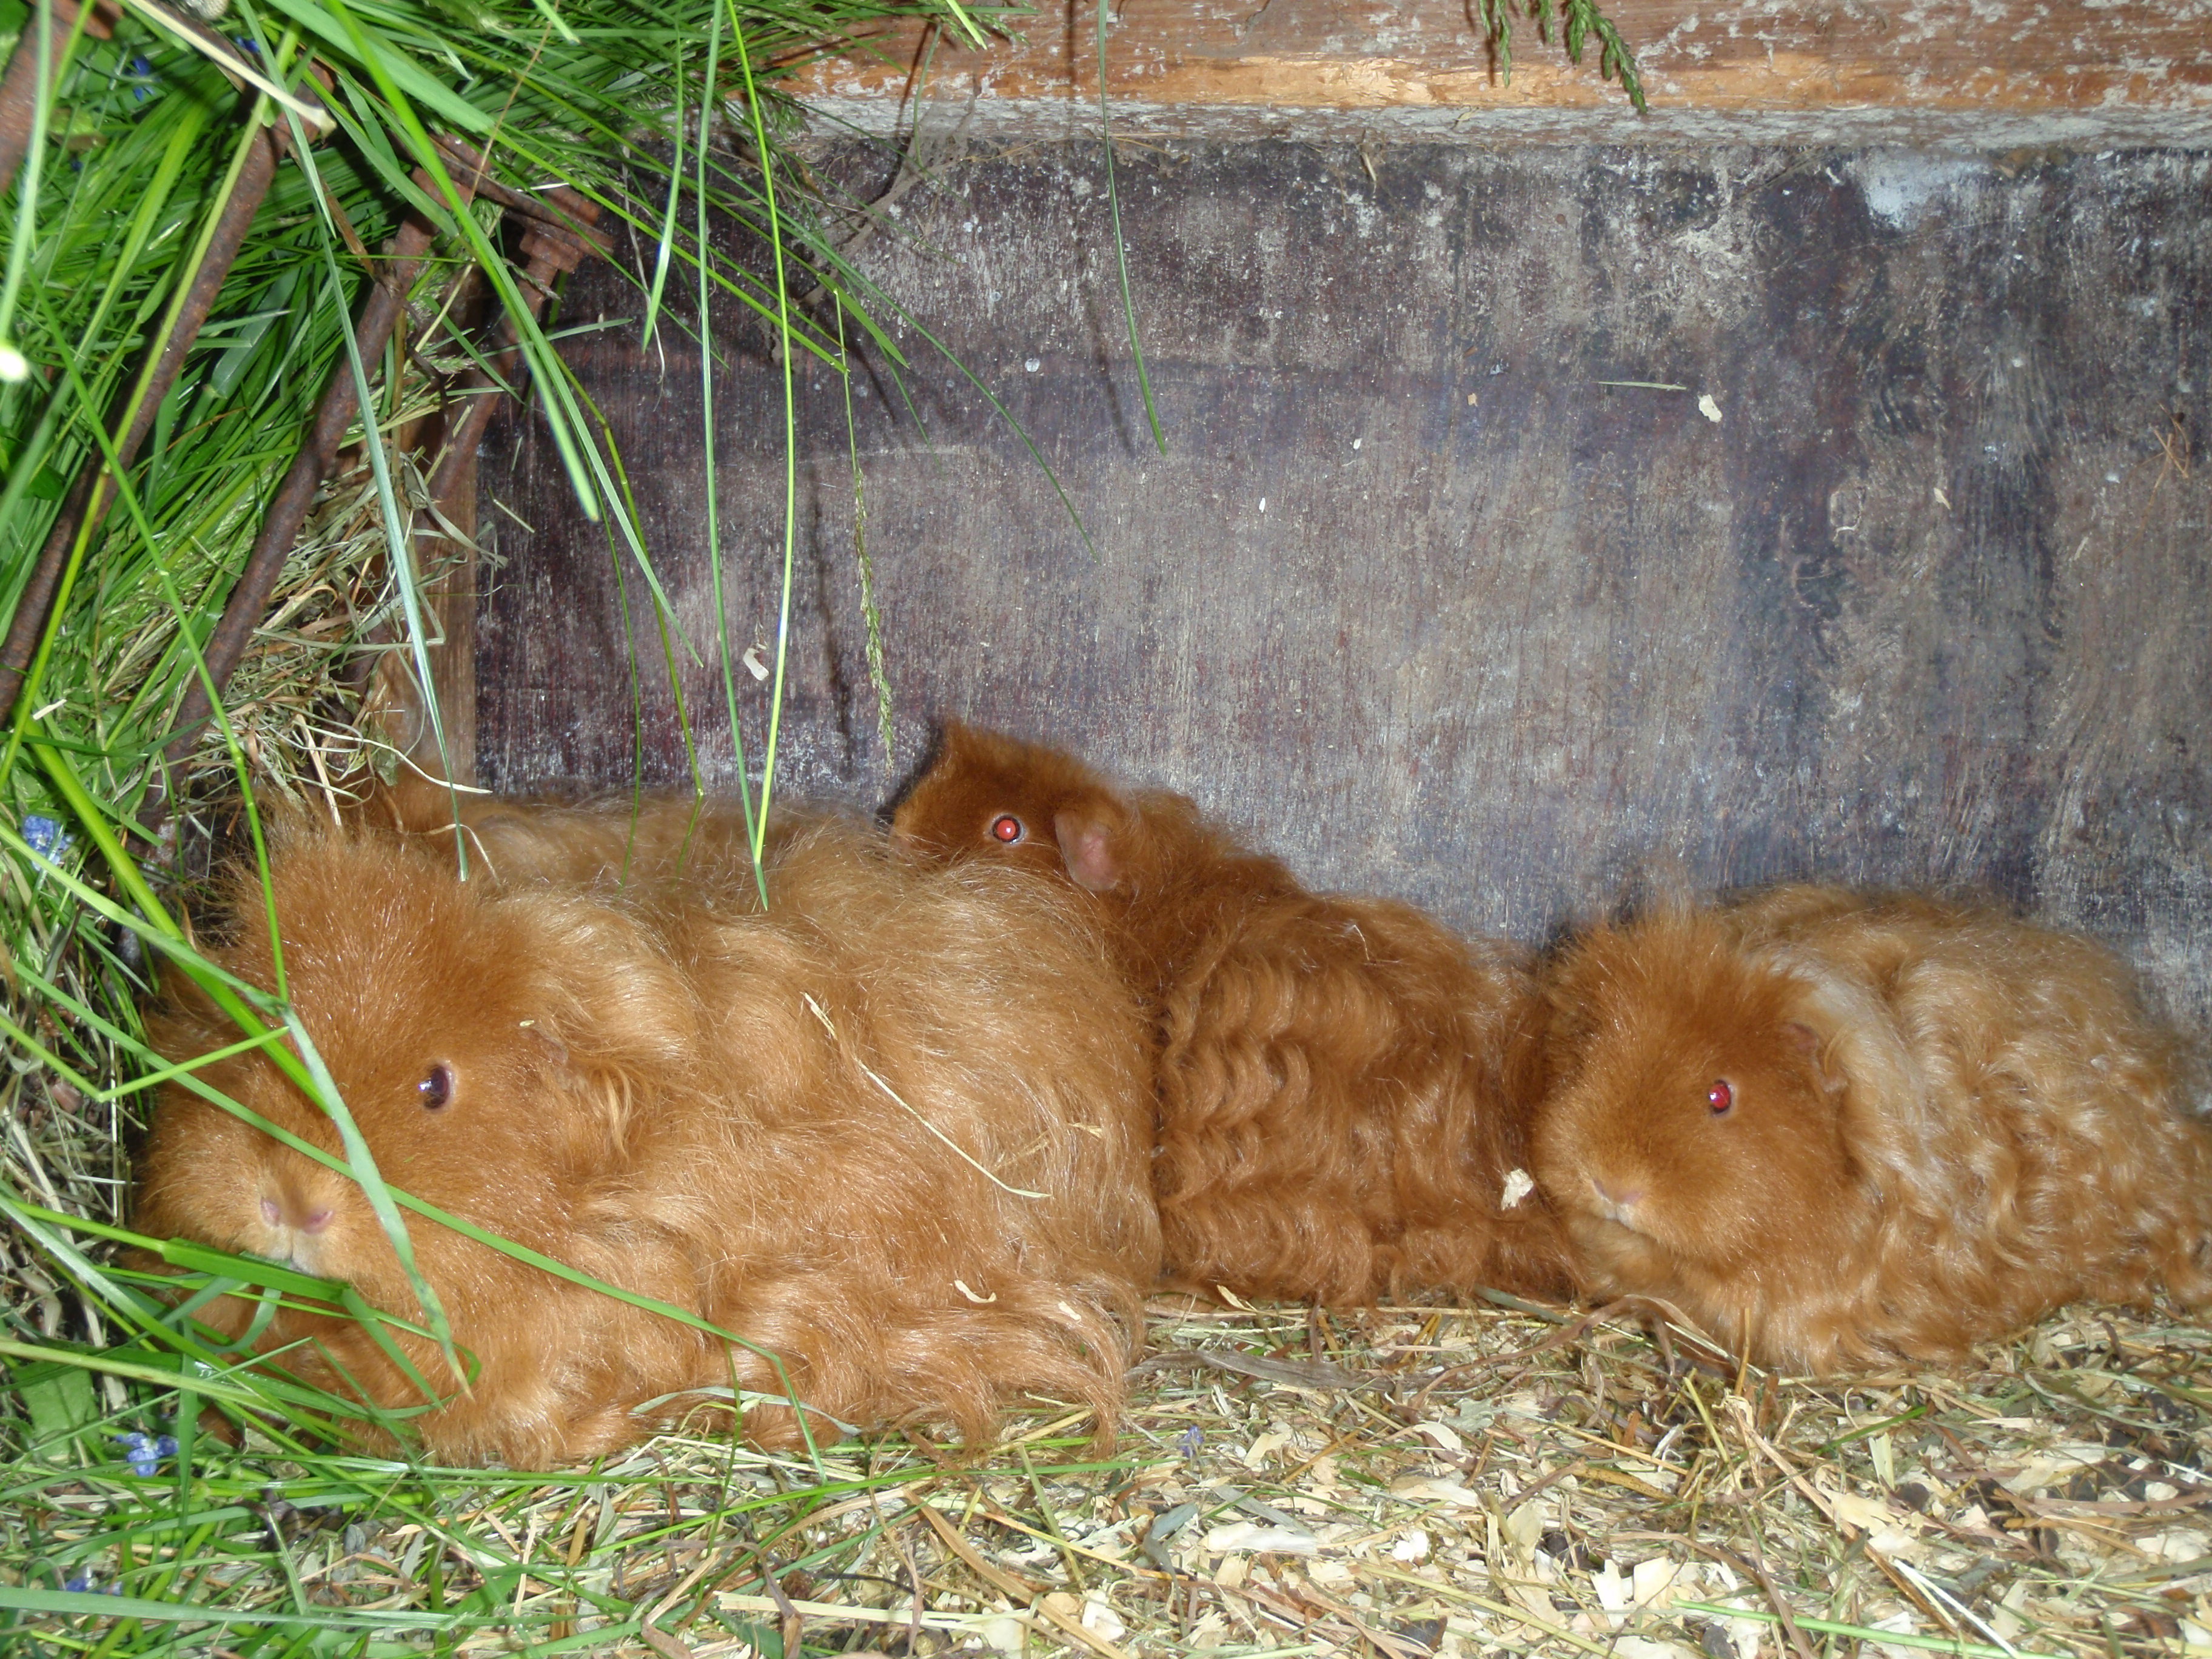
{"points": [[1837, 1129], [894, 1129], [1342, 1082]]}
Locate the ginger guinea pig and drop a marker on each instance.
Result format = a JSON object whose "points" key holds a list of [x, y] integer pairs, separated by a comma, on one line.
{"points": [[894, 1129], [1342, 1082], [1837, 1129]]}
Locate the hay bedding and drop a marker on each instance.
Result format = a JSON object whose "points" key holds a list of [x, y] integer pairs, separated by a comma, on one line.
{"points": [[1403, 1482], [1417, 1480]]}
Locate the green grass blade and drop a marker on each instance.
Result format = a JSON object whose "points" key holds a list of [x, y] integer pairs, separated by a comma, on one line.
{"points": [[790, 445], [1121, 247], [877, 676], [714, 507], [661, 253]]}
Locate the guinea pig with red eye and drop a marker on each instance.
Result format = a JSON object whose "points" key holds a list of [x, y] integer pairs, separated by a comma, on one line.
{"points": [[1343, 1084], [895, 1129], [1156, 866], [1837, 1129]]}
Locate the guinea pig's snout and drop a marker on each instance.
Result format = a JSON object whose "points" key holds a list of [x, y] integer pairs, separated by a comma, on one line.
{"points": [[299, 1214], [293, 1212], [1618, 1198]]}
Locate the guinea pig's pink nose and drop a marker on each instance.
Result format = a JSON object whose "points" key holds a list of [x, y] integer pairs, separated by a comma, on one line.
{"points": [[1620, 1198], [287, 1209]]}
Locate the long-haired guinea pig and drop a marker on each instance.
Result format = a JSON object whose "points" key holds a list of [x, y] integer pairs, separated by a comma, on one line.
{"points": [[894, 1129], [1835, 1130], [1342, 1082]]}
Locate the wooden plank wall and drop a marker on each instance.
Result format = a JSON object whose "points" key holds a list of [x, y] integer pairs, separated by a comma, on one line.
{"points": [[1999, 73], [1922, 595]]}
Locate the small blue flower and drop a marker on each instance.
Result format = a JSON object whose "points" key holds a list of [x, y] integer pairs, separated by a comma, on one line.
{"points": [[46, 837], [1190, 1440], [143, 1451], [79, 1584]]}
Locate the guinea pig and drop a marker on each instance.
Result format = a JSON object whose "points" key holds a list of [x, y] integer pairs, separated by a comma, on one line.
{"points": [[1342, 1082], [1837, 1129], [894, 1129]]}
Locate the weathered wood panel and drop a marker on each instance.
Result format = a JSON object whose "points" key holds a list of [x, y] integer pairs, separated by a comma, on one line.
{"points": [[1419, 597], [2002, 72]]}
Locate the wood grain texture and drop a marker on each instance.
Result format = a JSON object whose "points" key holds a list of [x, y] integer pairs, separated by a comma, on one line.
{"points": [[1415, 595], [2002, 71]]}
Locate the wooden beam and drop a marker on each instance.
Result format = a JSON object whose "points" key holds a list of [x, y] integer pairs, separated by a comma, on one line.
{"points": [[2077, 74]]}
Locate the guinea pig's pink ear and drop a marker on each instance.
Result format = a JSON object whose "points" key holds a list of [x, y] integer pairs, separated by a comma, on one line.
{"points": [[600, 1095], [1839, 1022], [548, 1043], [1814, 1044], [1087, 846], [616, 1021]]}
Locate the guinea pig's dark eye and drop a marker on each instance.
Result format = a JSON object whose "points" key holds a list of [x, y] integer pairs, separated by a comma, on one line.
{"points": [[1720, 1098], [437, 1088], [1006, 828]]}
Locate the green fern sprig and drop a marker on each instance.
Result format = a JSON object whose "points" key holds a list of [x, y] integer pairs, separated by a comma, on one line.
{"points": [[1581, 21]]}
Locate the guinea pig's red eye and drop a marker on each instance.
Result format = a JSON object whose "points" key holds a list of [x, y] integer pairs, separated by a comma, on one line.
{"points": [[1006, 828], [437, 1088], [1720, 1098]]}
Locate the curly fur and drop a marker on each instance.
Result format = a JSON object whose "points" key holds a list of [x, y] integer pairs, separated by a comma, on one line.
{"points": [[1340, 1079], [1944, 1123], [642, 1091]]}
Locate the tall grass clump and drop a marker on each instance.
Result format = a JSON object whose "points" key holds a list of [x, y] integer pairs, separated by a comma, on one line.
{"points": [[159, 1494]]}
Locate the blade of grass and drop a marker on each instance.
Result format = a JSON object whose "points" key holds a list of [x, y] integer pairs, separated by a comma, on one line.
{"points": [[790, 442], [12, 368], [93, 1604], [1954, 1644], [660, 257], [1120, 247], [753, 830], [108, 1365], [877, 676], [361, 1165]]}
